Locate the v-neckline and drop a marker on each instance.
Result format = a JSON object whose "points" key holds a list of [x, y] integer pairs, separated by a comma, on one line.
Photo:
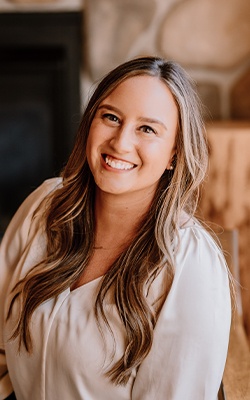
{"points": [[87, 284]]}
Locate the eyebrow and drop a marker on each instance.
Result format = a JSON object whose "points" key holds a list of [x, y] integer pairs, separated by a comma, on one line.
{"points": [[109, 107], [142, 119], [153, 121]]}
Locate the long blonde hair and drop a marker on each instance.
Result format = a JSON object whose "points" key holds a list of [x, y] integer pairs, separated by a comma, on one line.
{"points": [[69, 222]]}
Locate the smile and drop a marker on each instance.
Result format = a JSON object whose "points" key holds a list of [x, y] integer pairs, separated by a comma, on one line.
{"points": [[117, 164]]}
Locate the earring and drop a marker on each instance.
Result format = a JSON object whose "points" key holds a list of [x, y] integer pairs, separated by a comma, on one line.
{"points": [[171, 167]]}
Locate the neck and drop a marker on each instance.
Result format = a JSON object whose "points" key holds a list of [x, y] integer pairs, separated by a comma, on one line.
{"points": [[117, 218]]}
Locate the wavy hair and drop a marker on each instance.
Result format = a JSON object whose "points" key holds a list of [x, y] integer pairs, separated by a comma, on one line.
{"points": [[69, 222]]}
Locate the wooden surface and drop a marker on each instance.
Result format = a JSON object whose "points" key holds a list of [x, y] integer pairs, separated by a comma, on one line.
{"points": [[225, 201], [236, 378]]}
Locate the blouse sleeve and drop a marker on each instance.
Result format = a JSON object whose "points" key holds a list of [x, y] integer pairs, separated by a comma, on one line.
{"points": [[12, 246], [191, 336]]}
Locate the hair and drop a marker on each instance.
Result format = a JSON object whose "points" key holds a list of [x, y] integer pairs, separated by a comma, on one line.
{"points": [[70, 222]]}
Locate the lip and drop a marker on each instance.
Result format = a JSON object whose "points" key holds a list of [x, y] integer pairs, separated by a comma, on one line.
{"points": [[104, 155]]}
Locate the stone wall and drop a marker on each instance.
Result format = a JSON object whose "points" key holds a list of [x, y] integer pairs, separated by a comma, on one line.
{"points": [[209, 38]]}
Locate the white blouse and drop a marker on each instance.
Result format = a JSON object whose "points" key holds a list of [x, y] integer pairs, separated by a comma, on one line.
{"points": [[69, 357]]}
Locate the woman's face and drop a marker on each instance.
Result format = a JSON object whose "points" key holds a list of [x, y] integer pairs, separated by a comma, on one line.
{"points": [[132, 137]]}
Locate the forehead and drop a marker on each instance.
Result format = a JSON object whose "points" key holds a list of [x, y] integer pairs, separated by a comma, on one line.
{"points": [[143, 93]]}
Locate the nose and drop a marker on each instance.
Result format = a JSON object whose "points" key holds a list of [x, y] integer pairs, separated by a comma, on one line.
{"points": [[123, 139]]}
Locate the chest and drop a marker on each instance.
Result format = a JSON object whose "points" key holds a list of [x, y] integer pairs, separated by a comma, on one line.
{"points": [[99, 264], [69, 355]]}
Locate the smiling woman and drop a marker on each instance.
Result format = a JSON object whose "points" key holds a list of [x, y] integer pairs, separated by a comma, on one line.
{"points": [[135, 138], [110, 288]]}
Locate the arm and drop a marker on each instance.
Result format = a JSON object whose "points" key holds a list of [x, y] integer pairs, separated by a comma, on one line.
{"points": [[12, 247], [191, 336]]}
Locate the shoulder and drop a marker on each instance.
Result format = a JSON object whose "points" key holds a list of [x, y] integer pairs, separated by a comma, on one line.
{"points": [[18, 231], [198, 253], [201, 280], [36, 197], [200, 274], [195, 241], [41, 192]]}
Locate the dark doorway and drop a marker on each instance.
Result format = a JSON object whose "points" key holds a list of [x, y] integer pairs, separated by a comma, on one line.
{"points": [[40, 61]]}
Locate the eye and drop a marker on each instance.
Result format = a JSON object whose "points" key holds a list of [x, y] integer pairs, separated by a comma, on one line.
{"points": [[111, 117], [147, 129]]}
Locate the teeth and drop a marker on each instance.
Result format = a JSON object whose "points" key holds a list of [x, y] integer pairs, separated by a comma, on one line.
{"points": [[118, 164]]}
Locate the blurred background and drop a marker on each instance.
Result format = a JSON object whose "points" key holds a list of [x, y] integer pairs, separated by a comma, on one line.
{"points": [[52, 53]]}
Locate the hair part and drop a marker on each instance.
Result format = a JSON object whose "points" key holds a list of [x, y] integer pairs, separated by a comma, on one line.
{"points": [[70, 221]]}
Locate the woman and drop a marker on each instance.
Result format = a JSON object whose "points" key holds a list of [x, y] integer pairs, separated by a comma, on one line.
{"points": [[110, 288]]}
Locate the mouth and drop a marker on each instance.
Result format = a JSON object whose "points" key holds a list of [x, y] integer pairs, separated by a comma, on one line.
{"points": [[117, 164]]}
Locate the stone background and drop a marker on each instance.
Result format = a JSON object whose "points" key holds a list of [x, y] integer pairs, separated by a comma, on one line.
{"points": [[209, 38]]}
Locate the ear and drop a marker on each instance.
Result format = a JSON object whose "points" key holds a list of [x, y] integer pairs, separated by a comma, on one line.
{"points": [[172, 161]]}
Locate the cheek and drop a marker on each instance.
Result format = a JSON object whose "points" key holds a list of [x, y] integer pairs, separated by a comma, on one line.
{"points": [[91, 142], [90, 151], [96, 137], [160, 157]]}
